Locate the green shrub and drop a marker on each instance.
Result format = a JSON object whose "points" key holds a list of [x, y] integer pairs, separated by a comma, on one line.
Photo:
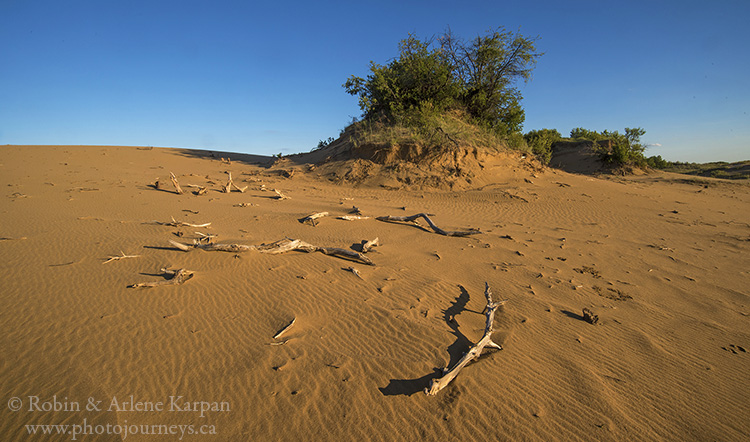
{"points": [[657, 162], [540, 142], [626, 149], [580, 133]]}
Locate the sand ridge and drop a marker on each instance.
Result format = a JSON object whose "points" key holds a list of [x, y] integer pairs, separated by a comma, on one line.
{"points": [[660, 258]]}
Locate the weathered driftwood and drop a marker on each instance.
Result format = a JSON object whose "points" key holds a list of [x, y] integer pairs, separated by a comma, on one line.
{"points": [[313, 217], [429, 221], [177, 187], [370, 244], [281, 246], [228, 187], [176, 277], [590, 317], [280, 196], [201, 189], [206, 237], [121, 256], [438, 384], [355, 271], [175, 223], [285, 329], [352, 217]]}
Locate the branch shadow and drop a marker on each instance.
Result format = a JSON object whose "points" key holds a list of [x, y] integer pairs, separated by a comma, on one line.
{"points": [[572, 315], [407, 387], [456, 351], [170, 248]]}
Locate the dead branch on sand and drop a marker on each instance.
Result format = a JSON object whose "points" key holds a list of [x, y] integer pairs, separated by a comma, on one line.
{"points": [[355, 271], [437, 229], [313, 217], [176, 277], [280, 196], [285, 329], [438, 384], [201, 189], [176, 184], [281, 246], [206, 237], [590, 317], [370, 244], [352, 217], [121, 256], [175, 223], [228, 187]]}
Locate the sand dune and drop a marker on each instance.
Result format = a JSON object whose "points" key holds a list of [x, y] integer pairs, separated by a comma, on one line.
{"points": [[661, 259]]}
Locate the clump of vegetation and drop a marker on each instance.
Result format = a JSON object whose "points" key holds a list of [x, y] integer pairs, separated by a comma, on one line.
{"points": [[720, 169], [446, 89], [657, 162], [540, 142], [616, 148]]}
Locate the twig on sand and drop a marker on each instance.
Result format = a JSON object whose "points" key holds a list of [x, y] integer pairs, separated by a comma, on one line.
{"points": [[355, 271], [285, 329], [370, 244], [313, 217], [201, 189], [175, 223], [437, 229], [176, 277], [280, 196], [177, 187], [352, 217], [121, 256], [281, 246], [228, 187], [438, 384]]}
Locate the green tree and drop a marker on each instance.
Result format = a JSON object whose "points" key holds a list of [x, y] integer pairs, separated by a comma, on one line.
{"points": [[476, 77], [626, 148], [487, 69]]}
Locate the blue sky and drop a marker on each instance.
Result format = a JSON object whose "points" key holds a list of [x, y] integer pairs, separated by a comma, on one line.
{"points": [[265, 77]]}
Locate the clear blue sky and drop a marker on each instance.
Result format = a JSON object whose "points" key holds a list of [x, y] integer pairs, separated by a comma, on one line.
{"points": [[265, 77]]}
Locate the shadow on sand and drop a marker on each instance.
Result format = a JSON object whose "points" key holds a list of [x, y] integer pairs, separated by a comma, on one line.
{"points": [[455, 351]]}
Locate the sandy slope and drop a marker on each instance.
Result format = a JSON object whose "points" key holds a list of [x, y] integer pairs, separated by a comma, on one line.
{"points": [[661, 259]]}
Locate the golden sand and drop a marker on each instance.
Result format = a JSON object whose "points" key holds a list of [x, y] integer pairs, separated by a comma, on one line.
{"points": [[661, 259]]}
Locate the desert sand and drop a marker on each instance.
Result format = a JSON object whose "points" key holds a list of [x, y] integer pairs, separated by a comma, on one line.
{"points": [[661, 259]]}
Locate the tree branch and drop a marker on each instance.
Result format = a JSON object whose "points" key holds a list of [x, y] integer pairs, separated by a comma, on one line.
{"points": [[438, 384], [429, 221]]}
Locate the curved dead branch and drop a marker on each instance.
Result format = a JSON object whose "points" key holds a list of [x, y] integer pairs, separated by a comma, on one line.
{"points": [[176, 277], [438, 384], [437, 229]]}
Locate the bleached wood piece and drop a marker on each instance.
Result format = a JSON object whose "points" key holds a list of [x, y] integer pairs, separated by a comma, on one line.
{"points": [[429, 221], [281, 246], [356, 272], [177, 277], [121, 256], [313, 217], [285, 329], [347, 254], [280, 196], [438, 384], [352, 217], [370, 244], [176, 184], [175, 223], [228, 187], [206, 237], [201, 189]]}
